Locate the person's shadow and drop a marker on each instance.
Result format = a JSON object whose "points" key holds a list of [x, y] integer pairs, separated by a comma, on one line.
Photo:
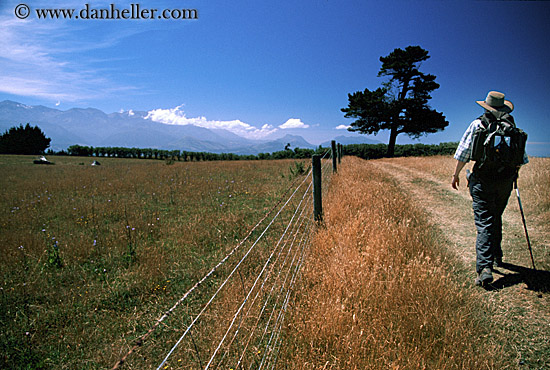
{"points": [[536, 280]]}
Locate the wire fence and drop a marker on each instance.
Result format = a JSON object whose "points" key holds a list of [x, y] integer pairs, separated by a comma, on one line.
{"points": [[232, 318]]}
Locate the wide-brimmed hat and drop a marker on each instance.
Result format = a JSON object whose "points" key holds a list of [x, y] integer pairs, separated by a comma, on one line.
{"points": [[495, 102]]}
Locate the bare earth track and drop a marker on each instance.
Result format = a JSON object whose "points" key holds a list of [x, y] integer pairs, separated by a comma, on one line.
{"points": [[519, 300]]}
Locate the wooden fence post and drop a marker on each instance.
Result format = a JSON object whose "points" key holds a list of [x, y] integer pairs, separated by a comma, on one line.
{"points": [[334, 157], [340, 153], [317, 189]]}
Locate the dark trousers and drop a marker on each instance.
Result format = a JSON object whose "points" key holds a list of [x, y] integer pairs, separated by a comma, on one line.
{"points": [[489, 201]]}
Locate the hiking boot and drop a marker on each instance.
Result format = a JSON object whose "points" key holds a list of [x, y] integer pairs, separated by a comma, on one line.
{"points": [[485, 277]]}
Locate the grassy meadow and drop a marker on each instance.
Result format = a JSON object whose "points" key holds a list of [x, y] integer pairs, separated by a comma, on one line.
{"points": [[93, 256]]}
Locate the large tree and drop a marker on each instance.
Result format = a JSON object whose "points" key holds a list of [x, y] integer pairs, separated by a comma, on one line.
{"points": [[401, 104], [24, 140]]}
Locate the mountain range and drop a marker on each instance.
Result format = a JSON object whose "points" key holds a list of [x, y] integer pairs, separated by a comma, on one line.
{"points": [[92, 127]]}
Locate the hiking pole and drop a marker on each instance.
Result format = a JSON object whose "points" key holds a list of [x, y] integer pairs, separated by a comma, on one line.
{"points": [[524, 224]]}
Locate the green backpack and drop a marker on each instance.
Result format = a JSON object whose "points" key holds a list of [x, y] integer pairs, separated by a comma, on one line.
{"points": [[498, 146]]}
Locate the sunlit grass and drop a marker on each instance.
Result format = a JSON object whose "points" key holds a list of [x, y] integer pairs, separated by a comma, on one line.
{"points": [[378, 292], [534, 189], [93, 256], [533, 181]]}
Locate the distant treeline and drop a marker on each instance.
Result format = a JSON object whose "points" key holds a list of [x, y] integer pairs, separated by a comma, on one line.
{"points": [[181, 155], [373, 151], [365, 151]]}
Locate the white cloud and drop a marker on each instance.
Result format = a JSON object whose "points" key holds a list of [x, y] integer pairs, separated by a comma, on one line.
{"points": [[176, 116], [38, 60], [342, 127], [293, 123]]}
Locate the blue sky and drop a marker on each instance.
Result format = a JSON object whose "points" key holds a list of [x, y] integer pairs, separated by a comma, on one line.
{"points": [[277, 67]]}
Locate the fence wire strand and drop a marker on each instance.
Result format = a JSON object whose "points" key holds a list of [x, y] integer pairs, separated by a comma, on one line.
{"points": [[230, 275], [264, 306], [256, 282], [268, 297], [253, 334]]}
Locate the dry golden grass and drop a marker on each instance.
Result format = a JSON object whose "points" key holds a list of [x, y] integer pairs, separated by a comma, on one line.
{"points": [[533, 182], [434, 173], [534, 185], [377, 292]]}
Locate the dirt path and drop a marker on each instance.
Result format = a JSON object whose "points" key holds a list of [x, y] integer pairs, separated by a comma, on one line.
{"points": [[519, 301]]}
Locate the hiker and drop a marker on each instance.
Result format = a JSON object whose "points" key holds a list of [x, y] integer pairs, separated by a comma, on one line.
{"points": [[490, 186]]}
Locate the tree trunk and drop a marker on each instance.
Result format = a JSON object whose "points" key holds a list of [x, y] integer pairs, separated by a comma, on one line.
{"points": [[391, 144]]}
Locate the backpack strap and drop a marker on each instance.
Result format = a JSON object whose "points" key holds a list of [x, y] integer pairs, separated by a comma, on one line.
{"points": [[490, 123], [484, 120], [506, 120], [489, 164], [496, 121]]}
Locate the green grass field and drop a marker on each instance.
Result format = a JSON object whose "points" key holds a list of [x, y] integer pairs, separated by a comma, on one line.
{"points": [[92, 256]]}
